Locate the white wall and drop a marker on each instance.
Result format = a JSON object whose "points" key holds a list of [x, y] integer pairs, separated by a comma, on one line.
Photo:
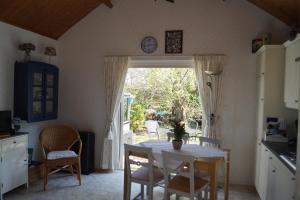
{"points": [[10, 38], [210, 26]]}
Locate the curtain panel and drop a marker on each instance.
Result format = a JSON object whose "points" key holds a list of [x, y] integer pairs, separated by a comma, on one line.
{"points": [[115, 69], [208, 71]]}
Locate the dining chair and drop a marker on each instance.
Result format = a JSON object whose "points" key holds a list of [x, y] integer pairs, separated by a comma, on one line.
{"points": [[180, 179], [141, 169], [210, 142], [56, 142]]}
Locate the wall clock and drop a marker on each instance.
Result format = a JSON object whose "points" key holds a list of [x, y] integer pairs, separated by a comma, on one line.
{"points": [[149, 44]]}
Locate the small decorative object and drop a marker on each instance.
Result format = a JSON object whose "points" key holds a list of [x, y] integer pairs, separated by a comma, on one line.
{"points": [[17, 123], [27, 47], [256, 44], [294, 32], [266, 37], [179, 132], [173, 42], [149, 44], [50, 51]]}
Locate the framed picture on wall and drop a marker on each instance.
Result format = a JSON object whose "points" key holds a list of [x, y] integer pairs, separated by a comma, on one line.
{"points": [[173, 42]]}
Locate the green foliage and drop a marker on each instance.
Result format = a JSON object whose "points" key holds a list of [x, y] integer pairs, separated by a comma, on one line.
{"points": [[179, 129], [159, 88], [136, 116]]}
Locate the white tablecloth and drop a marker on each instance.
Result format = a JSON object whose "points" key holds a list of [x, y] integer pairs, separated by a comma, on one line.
{"points": [[187, 149]]}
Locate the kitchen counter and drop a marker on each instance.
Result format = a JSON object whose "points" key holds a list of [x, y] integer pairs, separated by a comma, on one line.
{"points": [[281, 148]]}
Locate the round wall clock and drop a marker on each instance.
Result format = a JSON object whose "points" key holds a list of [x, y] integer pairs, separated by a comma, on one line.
{"points": [[149, 44]]}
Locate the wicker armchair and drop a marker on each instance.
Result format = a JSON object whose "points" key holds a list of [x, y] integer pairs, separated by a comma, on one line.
{"points": [[56, 142]]}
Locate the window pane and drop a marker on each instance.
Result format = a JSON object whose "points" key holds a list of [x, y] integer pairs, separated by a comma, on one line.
{"points": [[37, 93], [37, 107], [49, 107], [37, 78], [49, 93], [50, 80]]}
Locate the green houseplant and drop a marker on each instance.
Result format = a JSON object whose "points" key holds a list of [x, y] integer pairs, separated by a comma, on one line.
{"points": [[179, 132]]}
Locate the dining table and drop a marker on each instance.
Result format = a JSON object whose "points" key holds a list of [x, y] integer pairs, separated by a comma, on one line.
{"points": [[210, 159]]}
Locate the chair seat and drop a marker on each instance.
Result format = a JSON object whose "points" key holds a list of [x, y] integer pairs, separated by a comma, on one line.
{"points": [[142, 174], [53, 155], [182, 184]]}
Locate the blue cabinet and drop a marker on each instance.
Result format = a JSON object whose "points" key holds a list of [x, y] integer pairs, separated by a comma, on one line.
{"points": [[35, 91]]}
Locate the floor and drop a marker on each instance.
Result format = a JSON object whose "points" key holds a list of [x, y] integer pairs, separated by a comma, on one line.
{"points": [[107, 186]]}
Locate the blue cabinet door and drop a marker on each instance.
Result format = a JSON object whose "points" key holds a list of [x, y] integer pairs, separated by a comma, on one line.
{"points": [[51, 93], [40, 80]]}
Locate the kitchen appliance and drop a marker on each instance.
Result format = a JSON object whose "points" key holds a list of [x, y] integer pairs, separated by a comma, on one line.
{"points": [[276, 130]]}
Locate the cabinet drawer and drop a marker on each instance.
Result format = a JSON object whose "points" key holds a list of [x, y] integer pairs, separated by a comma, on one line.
{"points": [[13, 143]]}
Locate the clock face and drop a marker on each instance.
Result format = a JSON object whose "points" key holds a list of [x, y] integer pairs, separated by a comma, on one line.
{"points": [[149, 44]]}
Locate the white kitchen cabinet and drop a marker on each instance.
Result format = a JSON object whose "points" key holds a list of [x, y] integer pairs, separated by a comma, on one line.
{"points": [[276, 182], [281, 182], [270, 101], [291, 83], [13, 163], [263, 171]]}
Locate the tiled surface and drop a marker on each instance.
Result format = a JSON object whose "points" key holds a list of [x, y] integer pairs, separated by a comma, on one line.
{"points": [[99, 187]]}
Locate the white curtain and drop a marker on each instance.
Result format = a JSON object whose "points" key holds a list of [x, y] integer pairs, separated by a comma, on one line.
{"points": [[208, 70], [115, 69]]}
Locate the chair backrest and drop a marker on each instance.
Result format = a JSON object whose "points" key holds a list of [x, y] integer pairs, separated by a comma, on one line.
{"points": [[140, 157], [151, 126], [183, 165], [210, 142], [58, 137]]}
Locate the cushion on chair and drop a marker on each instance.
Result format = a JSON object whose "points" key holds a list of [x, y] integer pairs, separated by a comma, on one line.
{"points": [[182, 184], [52, 155], [142, 174]]}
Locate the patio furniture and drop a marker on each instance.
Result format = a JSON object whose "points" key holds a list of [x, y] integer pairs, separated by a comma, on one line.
{"points": [[192, 128], [56, 142], [210, 142], [152, 127], [212, 158], [146, 173], [184, 182]]}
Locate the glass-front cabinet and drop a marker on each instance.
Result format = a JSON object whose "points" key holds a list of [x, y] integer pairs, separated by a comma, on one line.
{"points": [[36, 91]]}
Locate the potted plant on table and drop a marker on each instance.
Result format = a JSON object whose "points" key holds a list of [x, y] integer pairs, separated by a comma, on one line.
{"points": [[179, 132]]}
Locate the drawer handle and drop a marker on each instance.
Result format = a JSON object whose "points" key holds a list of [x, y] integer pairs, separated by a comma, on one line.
{"points": [[296, 101], [293, 179], [274, 171], [297, 59], [15, 142], [270, 158]]}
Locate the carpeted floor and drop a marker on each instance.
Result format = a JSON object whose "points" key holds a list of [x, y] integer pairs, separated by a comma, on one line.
{"points": [[99, 187]]}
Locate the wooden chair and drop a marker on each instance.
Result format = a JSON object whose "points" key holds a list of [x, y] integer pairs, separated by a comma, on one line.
{"points": [[180, 179], [56, 142], [210, 142], [141, 159]]}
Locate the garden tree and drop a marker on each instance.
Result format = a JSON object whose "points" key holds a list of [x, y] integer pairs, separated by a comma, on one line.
{"points": [[163, 89]]}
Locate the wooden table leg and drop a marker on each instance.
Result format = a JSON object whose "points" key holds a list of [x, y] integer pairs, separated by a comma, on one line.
{"points": [[125, 180], [227, 174], [213, 182]]}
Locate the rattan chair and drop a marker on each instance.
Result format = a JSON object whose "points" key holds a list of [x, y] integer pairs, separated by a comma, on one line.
{"points": [[56, 142]]}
